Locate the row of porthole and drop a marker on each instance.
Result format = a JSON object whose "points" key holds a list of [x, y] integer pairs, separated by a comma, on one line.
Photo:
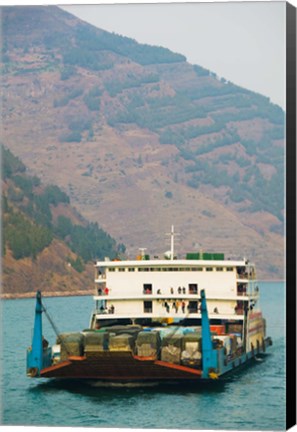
{"points": [[161, 269]]}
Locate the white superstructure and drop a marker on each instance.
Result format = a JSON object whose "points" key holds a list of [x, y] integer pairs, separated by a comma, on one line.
{"points": [[170, 288]]}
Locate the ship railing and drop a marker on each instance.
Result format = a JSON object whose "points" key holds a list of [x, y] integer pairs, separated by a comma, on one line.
{"points": [[150, 314], [246, 276], [165, 297]]}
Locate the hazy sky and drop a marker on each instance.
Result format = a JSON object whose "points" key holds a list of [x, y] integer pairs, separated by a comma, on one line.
{"points": [[243, 42]]}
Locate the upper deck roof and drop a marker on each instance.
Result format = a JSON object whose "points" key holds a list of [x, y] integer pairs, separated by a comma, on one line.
{"points": [[172, 263]]}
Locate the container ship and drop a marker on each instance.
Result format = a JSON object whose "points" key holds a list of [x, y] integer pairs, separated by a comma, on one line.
{"points": [[167, 320]]}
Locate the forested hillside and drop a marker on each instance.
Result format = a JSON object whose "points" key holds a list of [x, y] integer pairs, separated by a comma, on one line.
{"points": [[140, 139], [37, 220]]}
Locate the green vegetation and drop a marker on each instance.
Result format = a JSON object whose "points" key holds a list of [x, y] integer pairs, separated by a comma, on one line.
{"points": [[67, 72], [74, 136], [28, 224], [72, 94], [25, 239], [92, 41], [92, 99], [132, 81], [90, 44], [77, 264], [200, 71], [89, 242], [158, 113]]}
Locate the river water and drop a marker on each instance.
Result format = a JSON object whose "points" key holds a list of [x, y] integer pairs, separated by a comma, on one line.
{"points": [[253, 399]]}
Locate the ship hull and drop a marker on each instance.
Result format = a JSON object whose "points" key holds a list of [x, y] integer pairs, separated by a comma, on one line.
{"points": [[123, 367]]}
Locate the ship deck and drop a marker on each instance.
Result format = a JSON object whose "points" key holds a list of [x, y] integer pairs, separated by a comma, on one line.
{"points": [[123, 366], [119, 366]]}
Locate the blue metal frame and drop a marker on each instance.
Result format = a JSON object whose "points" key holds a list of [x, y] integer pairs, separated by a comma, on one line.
{"points": [[35, 352], [209, 355]]}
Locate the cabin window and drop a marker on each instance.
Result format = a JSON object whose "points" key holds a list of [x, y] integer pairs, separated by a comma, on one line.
{"points": [[219, 269], [193, 307], [147, 288], [193, 288], [209, 269], [229, 269], [147, 306], [122, 269], [131, 269], [111, 269]]}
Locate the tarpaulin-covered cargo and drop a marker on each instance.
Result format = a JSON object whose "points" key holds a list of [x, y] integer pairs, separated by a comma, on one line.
{"points": [[152, 338], [171, 354], [124, 329], [226, 342], [146, 350], [148, 344], [191, 349], [72, 344], [191, 358], [192, 341], [173, 339], [96, 341], [123, 342], [171, 348]]}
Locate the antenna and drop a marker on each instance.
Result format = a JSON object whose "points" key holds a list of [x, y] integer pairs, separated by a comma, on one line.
{"points": [[172, 235]]}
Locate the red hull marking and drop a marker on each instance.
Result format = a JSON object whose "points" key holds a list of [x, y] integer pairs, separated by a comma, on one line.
{"points": [[55, 367], [145, 358], [77, 358], [178, 367]]}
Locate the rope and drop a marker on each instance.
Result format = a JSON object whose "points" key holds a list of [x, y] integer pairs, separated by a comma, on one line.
{"points": [[58, 334]]}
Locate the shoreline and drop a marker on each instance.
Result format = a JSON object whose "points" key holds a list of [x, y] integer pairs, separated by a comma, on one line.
{"points": [[32, 294]]}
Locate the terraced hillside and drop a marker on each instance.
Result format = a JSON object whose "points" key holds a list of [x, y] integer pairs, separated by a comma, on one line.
{"points": [[140, 139]]}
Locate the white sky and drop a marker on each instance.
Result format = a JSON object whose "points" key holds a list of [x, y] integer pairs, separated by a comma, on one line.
{"points": [[243, 42]]}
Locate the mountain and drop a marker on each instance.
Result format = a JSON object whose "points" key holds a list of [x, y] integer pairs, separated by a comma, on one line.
{"points": [[46, 243], [140, 139]]}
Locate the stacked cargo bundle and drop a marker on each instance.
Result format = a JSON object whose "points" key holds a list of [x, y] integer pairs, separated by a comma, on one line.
{"points": [[120, 329], [72, 344], [191, 354], [96, 341], [171, 348], [224, 341], [233, 339], [122, 342], [148, 344]]}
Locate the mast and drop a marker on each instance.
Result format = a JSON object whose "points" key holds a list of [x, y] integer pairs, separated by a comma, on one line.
{"points": [[172, 243], [172, 235]]}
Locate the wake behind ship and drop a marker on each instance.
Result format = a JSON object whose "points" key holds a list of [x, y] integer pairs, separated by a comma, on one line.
{"points": [[159, 320]]}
